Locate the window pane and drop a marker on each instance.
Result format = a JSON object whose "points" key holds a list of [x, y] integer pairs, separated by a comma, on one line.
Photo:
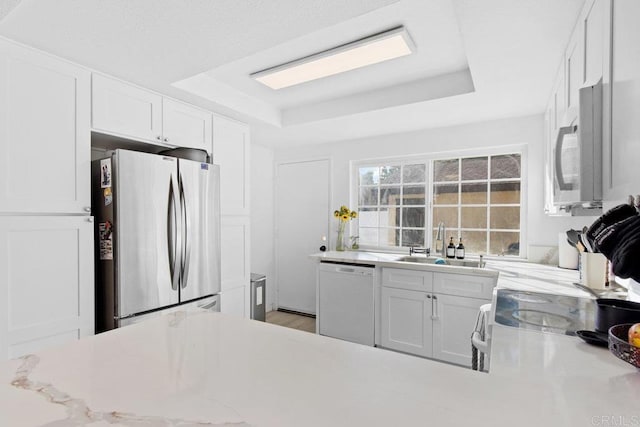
{"points": [[504, 243], [447, 215], [445, 194], [505, 192], [505, 218], [475, 168], [389, 237], [413, 173], [474, 194], [369, 176], [368, 236], [445, 170], [474, 217], [413, 217], [412, 237], [368, 217], [389, 195], [507, 166], [413, 195], [368, 196], [390, 175], [389, 217], [475, 242]]}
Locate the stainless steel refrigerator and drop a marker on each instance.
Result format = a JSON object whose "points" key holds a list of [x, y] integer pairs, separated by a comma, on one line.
{"points": [[157, 236]]}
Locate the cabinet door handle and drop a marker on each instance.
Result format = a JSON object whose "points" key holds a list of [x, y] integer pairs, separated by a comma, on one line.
{"points": [[159, 138], [166, 140], [90, 219], [428, 296], [87, 209], [434, 308]]}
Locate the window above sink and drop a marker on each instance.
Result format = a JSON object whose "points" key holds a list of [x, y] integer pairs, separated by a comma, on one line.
{"points": [[478, 197]]}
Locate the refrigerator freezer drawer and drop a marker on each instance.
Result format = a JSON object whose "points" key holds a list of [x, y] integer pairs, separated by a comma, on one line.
{"points": [[211, 303]]}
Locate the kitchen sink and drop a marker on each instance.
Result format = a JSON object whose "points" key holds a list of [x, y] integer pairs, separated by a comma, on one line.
{"points": [[432, 260]]}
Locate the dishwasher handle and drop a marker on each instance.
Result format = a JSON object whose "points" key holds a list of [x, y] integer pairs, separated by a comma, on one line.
{"points": [[347, 269]]}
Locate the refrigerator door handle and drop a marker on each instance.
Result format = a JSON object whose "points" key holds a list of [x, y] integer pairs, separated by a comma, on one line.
{"points": [[186, 241], [172, 227]]}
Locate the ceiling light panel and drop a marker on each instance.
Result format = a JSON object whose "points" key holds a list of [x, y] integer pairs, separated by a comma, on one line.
{"points": [[371, 50]]}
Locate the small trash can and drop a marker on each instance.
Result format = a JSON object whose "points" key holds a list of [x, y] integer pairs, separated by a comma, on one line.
{"points": [[258, 296]]}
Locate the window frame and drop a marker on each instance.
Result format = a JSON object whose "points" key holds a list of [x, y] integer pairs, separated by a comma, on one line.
{"points": [[354, 196], [428, 160]]}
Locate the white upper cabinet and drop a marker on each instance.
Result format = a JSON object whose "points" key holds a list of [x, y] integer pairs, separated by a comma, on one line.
{"points": [[622, 174], [574, 73], [231, 152], [126, 111], [45, 139], [595, 39], [130, 112], [587, 59], [186, 126]]}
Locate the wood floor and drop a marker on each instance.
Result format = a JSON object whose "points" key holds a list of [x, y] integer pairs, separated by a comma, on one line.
{"points": [[290, 320]]}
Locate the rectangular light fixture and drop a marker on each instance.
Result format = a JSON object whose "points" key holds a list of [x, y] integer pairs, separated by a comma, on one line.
{"points": [[371, 50]]}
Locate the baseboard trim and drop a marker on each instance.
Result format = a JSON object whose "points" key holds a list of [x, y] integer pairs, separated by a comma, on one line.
{"points": [[299, 313]]}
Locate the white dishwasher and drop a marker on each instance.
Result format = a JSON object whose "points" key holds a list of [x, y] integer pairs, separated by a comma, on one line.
{"points": [[346, 302]]}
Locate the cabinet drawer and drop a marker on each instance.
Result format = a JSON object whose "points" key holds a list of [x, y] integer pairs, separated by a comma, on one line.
{"points": [[407, 279], [464, 285]]}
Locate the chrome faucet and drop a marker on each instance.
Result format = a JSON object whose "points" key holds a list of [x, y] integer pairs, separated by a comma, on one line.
{"points": [[440, 236], [414, 250]]}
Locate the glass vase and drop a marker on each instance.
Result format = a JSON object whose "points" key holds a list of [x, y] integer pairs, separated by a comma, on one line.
{"points": [[340, 243]]}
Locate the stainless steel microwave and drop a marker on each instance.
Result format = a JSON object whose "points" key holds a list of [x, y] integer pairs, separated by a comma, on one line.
{"points": [[578, 154]]}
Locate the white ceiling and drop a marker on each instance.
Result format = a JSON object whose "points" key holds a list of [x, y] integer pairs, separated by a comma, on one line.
{"points": [[476, 59]]}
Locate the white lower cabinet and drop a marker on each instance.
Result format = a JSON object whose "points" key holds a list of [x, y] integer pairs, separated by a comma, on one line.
{"points": [[46, 282], [453, 323], [233, 301], [433, 324], [406, 321], [235, 260]]}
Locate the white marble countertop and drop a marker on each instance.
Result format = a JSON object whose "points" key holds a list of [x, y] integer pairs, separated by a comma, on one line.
{"points": [[393, 260], [213, 369]]}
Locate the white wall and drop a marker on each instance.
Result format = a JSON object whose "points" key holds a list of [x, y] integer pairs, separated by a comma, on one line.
{"points": [[262, 221], [541, 229]]}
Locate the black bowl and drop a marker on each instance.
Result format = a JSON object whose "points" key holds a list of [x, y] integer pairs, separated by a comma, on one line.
{"points": [[612, 312]]}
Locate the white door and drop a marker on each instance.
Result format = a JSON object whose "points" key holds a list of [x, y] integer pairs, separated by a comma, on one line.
{"points": [[45, 140], [46, 282], [302, 219], [406, 321], [453, 323], [186, 126], [125, 110]]}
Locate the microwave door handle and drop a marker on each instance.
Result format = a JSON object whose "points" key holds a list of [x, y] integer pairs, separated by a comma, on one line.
{"points": [[568, 130]]}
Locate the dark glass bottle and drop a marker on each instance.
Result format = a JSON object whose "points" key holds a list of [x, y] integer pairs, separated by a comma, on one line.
{"points": [[460, 250], [451, 249]]}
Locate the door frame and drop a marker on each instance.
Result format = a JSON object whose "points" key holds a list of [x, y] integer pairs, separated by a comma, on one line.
{"points": [[276, 192]]}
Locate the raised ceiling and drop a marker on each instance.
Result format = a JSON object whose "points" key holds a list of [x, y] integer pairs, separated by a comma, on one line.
{"points": [[476, 59]]}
